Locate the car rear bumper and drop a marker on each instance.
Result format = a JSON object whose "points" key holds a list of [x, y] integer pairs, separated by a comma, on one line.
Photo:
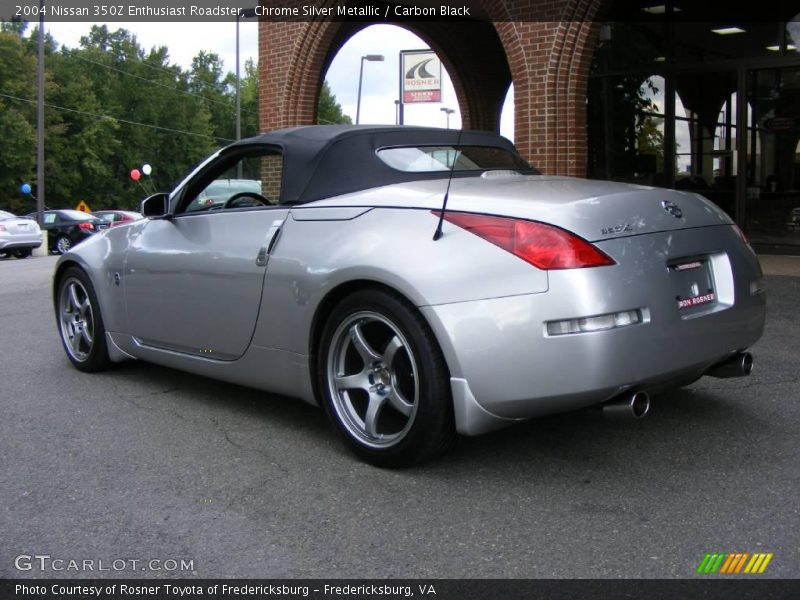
{"points": [[20, 242], [514, 368]]}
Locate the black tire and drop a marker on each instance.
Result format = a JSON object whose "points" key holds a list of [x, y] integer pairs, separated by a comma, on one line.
{"points": [[62, 245], [397, 410], [80, 324], [23, 252]]}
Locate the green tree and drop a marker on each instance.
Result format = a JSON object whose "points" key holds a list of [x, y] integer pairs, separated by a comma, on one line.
{"points": [[159, 121], [248, 88], [209, 82], [111, 106], [15, 25], [17, 121], [328, 110]]}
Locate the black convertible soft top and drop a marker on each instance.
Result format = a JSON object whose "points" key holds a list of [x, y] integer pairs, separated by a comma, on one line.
{"points": [[320, 161]]}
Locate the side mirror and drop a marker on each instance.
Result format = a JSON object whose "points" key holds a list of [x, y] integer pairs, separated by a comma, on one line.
{"points": [[156, 205]]}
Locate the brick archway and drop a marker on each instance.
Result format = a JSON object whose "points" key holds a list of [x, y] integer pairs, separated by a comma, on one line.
{"points": [[298, 55], [547, 55]]}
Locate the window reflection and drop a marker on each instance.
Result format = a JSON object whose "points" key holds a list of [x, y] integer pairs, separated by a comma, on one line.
{"points": [[703, 105]]}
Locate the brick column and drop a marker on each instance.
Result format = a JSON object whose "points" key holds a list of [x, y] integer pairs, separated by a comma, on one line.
{"points": [[549, 54], [291, 57]]}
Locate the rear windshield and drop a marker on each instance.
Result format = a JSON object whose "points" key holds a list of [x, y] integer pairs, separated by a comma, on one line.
{"points": [[76, 215], [426, 159], [5, 215]]}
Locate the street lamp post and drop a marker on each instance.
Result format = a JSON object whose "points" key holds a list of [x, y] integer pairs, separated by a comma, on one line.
{"points": [[247, 13], [448, 112], [371, 58], [40, 124]]}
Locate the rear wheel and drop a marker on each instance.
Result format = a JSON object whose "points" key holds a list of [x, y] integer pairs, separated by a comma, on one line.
{"points": [[23, 253], [384, 381], [80, 323], [63, 244]]}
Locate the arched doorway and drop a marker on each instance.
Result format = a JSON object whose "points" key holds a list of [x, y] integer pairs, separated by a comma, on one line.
{"points": [[471, 52], [379, 93]]}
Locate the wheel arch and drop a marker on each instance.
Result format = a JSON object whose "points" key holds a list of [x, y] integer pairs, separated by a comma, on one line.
{"points": [[105, 304], [331, 299], [61, 268]]}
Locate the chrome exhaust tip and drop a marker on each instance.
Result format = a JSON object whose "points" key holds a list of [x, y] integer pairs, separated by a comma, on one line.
{"points": [[739, 365], [633, 405]]}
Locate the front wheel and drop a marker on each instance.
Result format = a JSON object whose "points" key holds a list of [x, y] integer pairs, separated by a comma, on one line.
{"points": [[384, 381], [80, 323]]}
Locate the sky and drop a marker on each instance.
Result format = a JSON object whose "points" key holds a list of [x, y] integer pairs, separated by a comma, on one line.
{"points": [[184, 40], [380, 82]]}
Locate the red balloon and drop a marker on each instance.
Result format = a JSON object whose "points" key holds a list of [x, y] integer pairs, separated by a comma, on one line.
{"points": [[135, 174]]}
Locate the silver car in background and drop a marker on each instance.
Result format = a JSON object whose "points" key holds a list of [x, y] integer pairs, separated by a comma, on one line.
{"points": [[417, 283], [18, 236]]}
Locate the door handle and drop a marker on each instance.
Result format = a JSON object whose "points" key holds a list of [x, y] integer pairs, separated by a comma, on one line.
{"points": [[269, 242]]}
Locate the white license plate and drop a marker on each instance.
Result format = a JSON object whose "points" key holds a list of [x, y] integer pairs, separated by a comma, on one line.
{"points": [[693, 283]]}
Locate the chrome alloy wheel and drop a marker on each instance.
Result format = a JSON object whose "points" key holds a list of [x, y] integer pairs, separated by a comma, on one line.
{"points": [[373, 379], [63, 245], [76, 319]]}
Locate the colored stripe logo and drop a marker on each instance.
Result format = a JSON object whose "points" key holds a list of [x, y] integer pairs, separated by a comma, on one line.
{"points": [[734, 563]]}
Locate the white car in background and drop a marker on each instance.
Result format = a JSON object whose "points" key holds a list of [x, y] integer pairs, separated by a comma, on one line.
{"points": [[18, 236]]}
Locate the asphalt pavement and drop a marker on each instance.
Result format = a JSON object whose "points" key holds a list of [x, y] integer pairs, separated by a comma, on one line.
{"points": [[144, 463]]}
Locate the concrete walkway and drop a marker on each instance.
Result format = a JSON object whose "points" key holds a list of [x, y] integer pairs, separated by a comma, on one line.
{"points": [[780, 265]]}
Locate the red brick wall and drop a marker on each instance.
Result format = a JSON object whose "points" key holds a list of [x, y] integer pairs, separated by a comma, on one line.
{"points": [[547, 55]]}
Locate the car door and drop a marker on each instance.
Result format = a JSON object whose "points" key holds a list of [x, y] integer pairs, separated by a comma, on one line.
{"points": [[193, 281]]}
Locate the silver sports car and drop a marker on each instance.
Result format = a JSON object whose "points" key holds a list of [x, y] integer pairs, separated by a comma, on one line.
{"points": [[417, 283]]}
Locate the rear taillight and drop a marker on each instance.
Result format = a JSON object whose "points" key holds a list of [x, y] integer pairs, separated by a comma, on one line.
{"points": [[741, 234], [86, 226], [543, 246]]}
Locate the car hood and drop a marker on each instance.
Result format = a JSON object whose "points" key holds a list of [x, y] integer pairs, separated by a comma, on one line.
{"points": [[595, 210]]}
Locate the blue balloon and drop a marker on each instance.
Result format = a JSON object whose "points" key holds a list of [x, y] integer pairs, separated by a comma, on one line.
{"points": [[26, 188]]}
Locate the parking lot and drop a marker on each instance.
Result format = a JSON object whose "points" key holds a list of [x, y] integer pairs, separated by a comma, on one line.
{"points": [[145, 463]]}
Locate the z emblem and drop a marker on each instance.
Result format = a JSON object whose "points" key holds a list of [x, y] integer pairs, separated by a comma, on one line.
{"points": [[672, 208]]}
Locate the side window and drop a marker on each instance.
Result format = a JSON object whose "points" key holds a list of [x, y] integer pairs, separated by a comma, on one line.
{"points": [[251, 180], [50, 218]]}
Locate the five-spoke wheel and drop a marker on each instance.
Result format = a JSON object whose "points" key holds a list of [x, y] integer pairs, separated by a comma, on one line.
{"points": [[385, 381], [80, 323], [373, 379]]}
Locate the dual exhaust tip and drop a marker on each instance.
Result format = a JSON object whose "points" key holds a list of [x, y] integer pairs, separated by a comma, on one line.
{"points": [[738, 365], [631, 405], [635, 405]]}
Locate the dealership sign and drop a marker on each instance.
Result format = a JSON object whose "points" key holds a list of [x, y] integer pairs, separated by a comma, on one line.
{"points": [[421, 76]]}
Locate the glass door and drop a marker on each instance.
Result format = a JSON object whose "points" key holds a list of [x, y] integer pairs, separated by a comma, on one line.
{"points": [[772, 191]]}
